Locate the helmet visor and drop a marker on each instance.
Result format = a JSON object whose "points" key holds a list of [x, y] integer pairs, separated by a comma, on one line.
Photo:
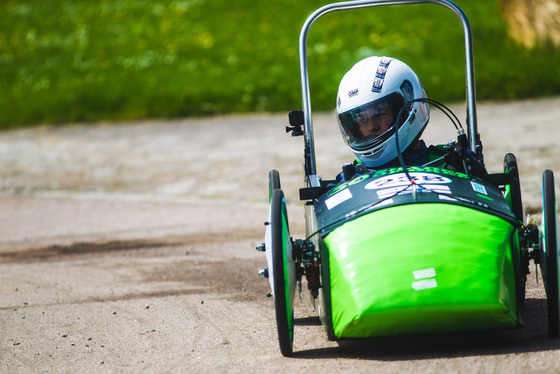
{"points": [[371, 123]]}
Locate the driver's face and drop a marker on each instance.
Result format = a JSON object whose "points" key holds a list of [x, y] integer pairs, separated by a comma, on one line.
{"points": [[375, 121]]}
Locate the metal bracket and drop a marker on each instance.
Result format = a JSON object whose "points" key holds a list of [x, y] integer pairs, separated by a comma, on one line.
{"points": [[305, 254]]}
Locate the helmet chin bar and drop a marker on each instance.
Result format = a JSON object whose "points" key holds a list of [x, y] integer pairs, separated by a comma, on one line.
{"points": [[376, 153]]}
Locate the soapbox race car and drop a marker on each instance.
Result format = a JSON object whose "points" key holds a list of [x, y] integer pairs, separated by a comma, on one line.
{"points": [[411, 249]]}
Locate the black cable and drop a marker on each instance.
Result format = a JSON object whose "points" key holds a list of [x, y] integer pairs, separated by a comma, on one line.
{"points": [[399, 154], [448, 112], [408, 106]]}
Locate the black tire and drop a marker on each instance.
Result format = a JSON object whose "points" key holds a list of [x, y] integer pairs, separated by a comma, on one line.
{"points": [[283, 270], [510, 166], [273, 182], [549, 258]]}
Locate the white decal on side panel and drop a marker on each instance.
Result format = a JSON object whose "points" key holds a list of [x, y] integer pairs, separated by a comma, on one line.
{"points": [[425, 279], [477, 187], [339, 198]]}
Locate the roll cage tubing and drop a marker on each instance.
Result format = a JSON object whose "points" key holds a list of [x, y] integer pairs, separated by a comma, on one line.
{"points": [[310, 162]]}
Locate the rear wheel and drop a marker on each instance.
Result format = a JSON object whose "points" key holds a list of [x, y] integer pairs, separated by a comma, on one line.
{"points": [[514, 188], [549, 258], [273, 182], [284, 273], [513, 197]]}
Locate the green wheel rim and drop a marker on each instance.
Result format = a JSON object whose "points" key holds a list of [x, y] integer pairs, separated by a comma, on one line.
{"points": [[549, 261], [281, 251]]}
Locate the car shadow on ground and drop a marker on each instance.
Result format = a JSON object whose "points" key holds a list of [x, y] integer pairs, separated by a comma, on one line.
{"points": [[532, 337]]}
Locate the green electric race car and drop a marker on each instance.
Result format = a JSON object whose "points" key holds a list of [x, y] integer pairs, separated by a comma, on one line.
{"points": [[409, 250]]}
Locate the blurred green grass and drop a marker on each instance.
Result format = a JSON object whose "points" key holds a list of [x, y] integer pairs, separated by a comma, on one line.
{"points": [[64, 61]]}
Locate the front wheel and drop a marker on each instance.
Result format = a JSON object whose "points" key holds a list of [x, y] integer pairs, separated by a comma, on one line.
{"points": [[283, 272], [549, 250]]}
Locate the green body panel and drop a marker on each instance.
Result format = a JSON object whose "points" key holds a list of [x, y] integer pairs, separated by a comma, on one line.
{"points": [[422, 268]]}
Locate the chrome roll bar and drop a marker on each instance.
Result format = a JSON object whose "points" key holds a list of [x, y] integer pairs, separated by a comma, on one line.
{"points": [[311, 167]]}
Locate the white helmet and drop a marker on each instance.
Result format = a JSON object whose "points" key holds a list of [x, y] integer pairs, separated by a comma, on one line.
{"points": [[379, 84]]}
